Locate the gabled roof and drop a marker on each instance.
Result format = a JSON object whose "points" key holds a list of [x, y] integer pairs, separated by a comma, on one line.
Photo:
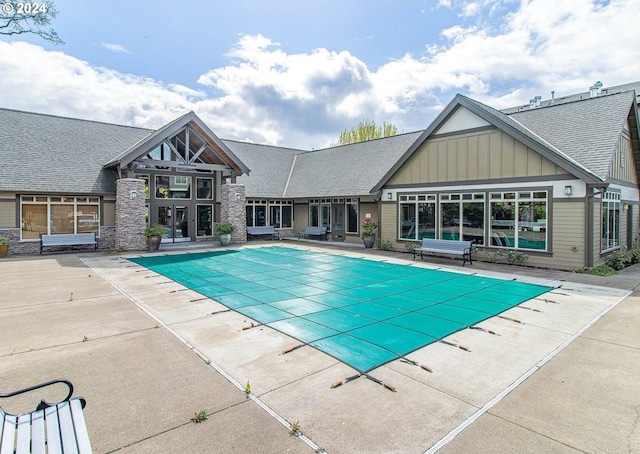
{"points": [[348, 170], [47, 153], [587, 131], [153, 140], [580, 137]]}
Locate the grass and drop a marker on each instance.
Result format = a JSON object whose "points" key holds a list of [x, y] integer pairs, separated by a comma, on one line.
{"points": [[602, 270]]}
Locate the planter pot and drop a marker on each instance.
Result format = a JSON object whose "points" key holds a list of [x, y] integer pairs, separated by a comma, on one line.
{"points": [[225, 239], [3, 250], [154, 242], [369, 240]]}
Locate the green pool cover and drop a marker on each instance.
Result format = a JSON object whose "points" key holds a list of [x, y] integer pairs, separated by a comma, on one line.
{"points": [[362, 312]]}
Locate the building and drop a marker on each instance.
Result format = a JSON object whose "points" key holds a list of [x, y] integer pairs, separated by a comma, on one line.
{"points": [[555, 179]]}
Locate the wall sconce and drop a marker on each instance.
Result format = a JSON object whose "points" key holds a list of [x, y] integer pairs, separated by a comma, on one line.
{"points": [[568, 190], [238, 196], [133, 195], [389, 196]]}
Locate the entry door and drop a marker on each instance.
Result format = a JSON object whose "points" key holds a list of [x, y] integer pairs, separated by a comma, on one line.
{"points": [[175, 219], [337, 229]]}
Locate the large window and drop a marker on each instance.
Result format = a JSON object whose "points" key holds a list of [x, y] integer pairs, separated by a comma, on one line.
{"points": [[173, 187], [462, 217], [256, 213], [281, 213], [417, 216], [204, 188], [51, 215], [320, 213], [610, 221], [519, 219]]}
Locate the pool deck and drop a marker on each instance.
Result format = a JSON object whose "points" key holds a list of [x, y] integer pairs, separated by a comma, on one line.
{"points": [[147, 354]]}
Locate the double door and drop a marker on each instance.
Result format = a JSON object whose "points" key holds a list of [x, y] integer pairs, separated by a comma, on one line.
{"points": [[175, 219]]}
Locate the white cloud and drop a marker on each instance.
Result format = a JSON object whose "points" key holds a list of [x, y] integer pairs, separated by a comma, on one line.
{"points": [[117, 48], [267, 95]]}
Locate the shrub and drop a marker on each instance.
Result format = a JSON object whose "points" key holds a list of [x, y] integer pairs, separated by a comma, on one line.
{"points": [[619, 259], [4, 240], [225, 228], [154, 230], [385, 245]]}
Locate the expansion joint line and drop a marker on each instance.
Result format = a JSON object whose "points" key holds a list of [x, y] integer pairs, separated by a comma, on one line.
{"points": [[207, 360], [481, 411]]}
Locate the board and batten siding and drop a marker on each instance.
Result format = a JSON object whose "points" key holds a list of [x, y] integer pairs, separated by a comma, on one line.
{"points": [[623, 166], [484, 155]]}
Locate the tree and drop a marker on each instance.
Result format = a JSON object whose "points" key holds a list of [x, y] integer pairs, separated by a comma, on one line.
{"points": [[18, 17], [366, 130]]}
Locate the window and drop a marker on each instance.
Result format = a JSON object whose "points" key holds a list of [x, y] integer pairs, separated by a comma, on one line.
{"points": [[462, 217], [320, 213], [51, 215], [519, 219], [281, 213], [610, 221], [173, 187], [256, 213], [204, 220], [352, 215], [417, 216], [204, 188]]}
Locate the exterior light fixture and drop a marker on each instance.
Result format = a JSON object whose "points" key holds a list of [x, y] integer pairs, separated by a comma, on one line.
{"points": [[238, 197], [389, 196], [133, 195], [568, 190]]}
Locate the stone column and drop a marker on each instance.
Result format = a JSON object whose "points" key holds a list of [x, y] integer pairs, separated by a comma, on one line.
{"points": [[130, 213], [233, 210]]}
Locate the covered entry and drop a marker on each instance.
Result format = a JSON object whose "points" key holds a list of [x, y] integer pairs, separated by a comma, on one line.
{"points": [[183, 166]]}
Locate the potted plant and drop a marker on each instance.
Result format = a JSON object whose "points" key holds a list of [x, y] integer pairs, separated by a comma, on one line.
{"points": [[224, 231], [4, 246], [369, 233], [154, 235]]}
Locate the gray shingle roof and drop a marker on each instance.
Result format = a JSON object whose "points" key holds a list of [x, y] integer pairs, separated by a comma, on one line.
{"points": [[270, 168], [349, 170], [587, 131], [46, 153]]}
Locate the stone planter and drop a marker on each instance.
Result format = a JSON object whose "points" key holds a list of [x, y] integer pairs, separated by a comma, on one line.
{"points": [[369, 240], [225, 239]]}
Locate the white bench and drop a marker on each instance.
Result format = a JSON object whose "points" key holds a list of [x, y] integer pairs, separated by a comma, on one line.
{"points": [[263, 230], [314, 231], [52, 428], [68, 239], [448, 247]]}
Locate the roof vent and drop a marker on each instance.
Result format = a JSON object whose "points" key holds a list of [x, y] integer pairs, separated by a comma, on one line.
{"points": [[534, 102], [595, 89]]}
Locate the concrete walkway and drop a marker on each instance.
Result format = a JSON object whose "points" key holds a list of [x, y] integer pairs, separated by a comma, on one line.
{"points": [[147, 354]]}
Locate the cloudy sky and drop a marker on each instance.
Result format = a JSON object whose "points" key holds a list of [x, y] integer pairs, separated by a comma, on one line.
{"points": [[295, 73]]}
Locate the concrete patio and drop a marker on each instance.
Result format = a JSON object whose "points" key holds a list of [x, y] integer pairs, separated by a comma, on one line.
{"points": [[147, 354]]}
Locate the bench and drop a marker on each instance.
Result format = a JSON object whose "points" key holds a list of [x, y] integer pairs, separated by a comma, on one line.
{"points": [[314, 231], [263, 230], [51, 427], [68, 239], [449, 247]]}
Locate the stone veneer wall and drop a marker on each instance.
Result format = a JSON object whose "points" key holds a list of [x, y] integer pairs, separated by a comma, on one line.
{"points": [[130, 212], [105, 241], [234, 211]]}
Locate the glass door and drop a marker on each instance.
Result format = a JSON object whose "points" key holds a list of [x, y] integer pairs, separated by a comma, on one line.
{"points": [[175, 220], [337, 229]]}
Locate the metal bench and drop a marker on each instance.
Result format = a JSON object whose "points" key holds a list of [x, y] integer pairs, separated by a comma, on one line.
{"points": [[263, 230], [68, 239], [448, 247], [51, 428], [314, 231]]}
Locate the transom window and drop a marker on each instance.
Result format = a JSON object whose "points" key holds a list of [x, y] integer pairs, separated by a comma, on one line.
{"points": [[51, 215]]}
